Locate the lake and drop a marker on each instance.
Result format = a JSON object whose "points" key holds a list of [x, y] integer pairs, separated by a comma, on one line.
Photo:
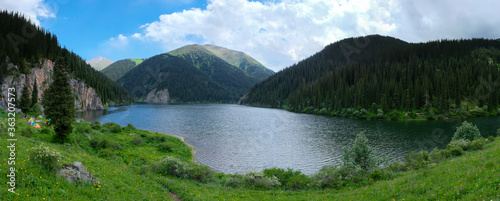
{"points": [[234, 138]]}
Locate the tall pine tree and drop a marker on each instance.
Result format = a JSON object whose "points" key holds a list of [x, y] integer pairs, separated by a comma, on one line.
{"points": [[25, 101], [59, 102], [34, 95]]}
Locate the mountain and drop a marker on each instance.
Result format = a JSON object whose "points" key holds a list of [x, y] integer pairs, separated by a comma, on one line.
{"points": [[379, 75], [119, 68], [32, 61], [99, 63], [232, 78], [242, 61], [165, 78]]}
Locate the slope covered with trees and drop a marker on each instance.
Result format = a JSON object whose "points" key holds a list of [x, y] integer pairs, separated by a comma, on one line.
{"points": [[185, 83], [25, 45], [233, 79], [241, 60], [383, 77], [119, 68]]}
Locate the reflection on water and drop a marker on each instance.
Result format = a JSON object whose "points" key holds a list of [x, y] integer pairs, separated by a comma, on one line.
{"points": [[234, 138]]}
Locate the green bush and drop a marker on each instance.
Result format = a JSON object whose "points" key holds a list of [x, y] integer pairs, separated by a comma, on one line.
{"points": [[83, 127], [27, 132], [130, 127], [360, 154], [178, 168], [329, 177], [166, 147], [454, 150], [498, 132], [35, 110], [98, 143], [113, 127], [233, 181], [45, 130], [289, 178], [96, 125], [397, 167], [44, 156], [116, 145], [466, 131], [259, 180], [477, 144], [417, 160], [491, 138], [106, 153], [138, 141]]}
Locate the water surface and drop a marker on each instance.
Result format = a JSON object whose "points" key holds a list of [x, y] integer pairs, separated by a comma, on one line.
{"points": [[235, 138]]}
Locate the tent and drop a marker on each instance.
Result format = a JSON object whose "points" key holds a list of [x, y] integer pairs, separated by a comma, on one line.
{"points": [[32, 123]]}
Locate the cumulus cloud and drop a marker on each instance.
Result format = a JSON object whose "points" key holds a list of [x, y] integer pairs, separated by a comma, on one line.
{"points": [[281, 33], [32, 9], [120, 41]]}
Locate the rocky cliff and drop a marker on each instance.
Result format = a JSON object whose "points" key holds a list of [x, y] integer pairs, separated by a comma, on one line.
{"points": [[154, 96], [86, 97]]}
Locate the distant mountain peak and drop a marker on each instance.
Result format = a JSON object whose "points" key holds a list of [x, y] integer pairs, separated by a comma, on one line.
{"points": [[99, 63], [235, 58]]}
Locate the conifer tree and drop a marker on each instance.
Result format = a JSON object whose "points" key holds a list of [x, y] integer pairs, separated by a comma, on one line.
{"points": [[25, 101], [59, 102], [34, 95]]}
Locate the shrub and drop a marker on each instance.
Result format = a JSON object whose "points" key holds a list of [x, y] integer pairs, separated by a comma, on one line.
{"points": [[166, 147], [454, 150], [380, 114], [45, 130], [259, 180], [477, 144], [44, 156], [138, 141], [329, 177], [464, 144], [116, 145], [178, 168], [467, 131], [97, 143], [130, 127], [498, 132], [83, 127], [376, 175], [27, 132], [397, 167], [288, 178], [417, 160], [491, 138], [437, 155], [234, 181], [35, 110], [360, 154], [96, 125], [113, 127], [106, 153]]}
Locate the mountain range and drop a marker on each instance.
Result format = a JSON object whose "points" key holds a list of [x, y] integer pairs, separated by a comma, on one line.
{"points": [[99, 63], [225, 74]]}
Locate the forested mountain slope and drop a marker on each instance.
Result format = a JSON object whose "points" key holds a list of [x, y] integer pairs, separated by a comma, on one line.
{"points": [[120, 68], [376, 74], [27, 46]]}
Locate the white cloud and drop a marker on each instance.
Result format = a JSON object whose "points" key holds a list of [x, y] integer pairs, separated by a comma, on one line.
{"points": [[32, 9], [120, 41], [281, 33]]}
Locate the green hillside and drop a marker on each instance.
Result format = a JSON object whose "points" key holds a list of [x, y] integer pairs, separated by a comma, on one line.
{"points": [[184, 82], [386, 78], [242, 61], [235, 80], [44, 45], [120, 68]]}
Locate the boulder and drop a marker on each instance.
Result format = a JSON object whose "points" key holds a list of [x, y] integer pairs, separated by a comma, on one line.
{"points": [[76, 172]]}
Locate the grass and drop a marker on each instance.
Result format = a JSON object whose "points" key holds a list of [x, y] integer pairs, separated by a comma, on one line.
{"points": [[125, 173]]}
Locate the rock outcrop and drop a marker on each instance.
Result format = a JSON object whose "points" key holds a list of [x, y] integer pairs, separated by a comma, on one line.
{"points": [[76, 172], [154, 96], [87, 98]]}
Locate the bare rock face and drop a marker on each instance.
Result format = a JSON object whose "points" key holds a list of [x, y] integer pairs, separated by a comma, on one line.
{"points": [[76, 172], [87, 98], [154, 96]]}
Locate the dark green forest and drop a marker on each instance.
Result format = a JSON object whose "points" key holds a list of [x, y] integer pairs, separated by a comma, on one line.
{"points": [[118, 69], [384, 77], [232, 78], [184, 82], [27, 45]]}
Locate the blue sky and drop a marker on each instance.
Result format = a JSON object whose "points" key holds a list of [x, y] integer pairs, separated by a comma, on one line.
{"points": [[278, 33]]}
